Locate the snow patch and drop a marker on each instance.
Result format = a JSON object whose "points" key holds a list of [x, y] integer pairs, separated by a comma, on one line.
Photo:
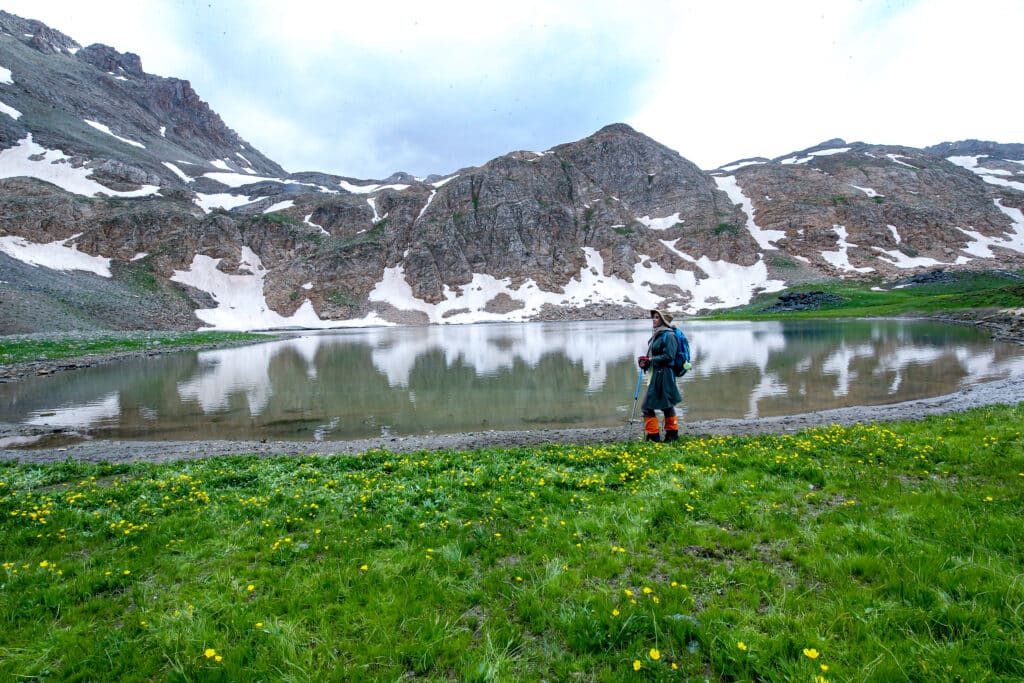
{"points": [[433, 193], [901, 260], [866, 190], [728, 285], [235, 180], [367, 189], [764, 238], [444, 181], [982, 245], [105, 129], [6, 78], [178, 172], [895, 158], [989, 175], [241, 304], [810, 155], [841, 259], [280, 206], [377, 218], [209, 202], [59, 255], [53, 167], [10, 111], [314, 225], [661, 223]]}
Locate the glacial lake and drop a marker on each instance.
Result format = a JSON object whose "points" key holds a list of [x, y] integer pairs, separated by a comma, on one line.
{"points": [[391, 381]]}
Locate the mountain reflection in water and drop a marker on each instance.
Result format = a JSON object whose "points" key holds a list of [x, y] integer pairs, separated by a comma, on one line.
{"points": [[368, 382]]}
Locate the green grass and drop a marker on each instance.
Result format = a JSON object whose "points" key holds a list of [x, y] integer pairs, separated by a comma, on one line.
{"points": [[972, 290], [16, 349], [891, 552]]}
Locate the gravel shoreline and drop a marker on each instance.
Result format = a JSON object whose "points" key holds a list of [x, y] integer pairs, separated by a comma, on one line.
{"points": [[1006, 391]]}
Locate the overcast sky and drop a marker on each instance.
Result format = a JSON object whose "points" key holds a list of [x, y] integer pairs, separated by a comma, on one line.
{"points": [[364, 89]]}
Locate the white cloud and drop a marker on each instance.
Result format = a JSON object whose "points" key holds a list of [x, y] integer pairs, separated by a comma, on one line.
{"points": [[429, 88], [881, 72]]}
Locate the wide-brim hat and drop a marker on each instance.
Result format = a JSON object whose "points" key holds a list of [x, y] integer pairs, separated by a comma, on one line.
{"points": [[665, 317]]}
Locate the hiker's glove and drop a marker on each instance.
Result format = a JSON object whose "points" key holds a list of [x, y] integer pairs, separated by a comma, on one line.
{"points": [[644, 362]]}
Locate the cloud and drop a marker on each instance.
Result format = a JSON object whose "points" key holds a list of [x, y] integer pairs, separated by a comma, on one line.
{"points": [[364, 89], [766, 79], [426, 91]]}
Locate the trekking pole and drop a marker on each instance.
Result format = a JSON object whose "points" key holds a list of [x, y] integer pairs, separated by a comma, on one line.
{"points": [[636, 395]]}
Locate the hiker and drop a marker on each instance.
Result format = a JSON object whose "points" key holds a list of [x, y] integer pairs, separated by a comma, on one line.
{"points": [[662, 392]]}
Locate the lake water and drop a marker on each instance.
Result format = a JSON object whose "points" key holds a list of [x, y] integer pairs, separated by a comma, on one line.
{"points": [[420, 380]]}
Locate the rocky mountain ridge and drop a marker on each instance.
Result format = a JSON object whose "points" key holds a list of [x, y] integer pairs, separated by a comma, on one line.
{"points": [[126, 202]]}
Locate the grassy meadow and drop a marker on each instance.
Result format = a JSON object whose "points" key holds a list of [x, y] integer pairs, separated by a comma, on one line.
{"points": [[971, 290], [21, 348], [884, 552]]}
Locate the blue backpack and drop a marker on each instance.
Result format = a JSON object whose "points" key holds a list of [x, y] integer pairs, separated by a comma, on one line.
{"points": [[681, 363]]}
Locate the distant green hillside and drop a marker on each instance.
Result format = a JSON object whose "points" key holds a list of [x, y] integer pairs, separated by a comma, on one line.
{"points": [[970, 290]]}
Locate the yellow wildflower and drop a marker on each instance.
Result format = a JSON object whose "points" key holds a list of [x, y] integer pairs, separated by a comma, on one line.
{"points": [[811, 653], [741, 645], [637, 665], [654, 654], [210, 653]]}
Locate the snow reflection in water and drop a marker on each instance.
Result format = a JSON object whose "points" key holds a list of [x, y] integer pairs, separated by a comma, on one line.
{"points": [[368, 382]]}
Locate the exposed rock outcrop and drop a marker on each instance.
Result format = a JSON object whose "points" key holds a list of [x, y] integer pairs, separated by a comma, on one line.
{"points": [[134, 174]]}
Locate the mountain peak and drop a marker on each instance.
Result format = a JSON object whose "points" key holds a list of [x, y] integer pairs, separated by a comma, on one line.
{"points": [[37, 35], [620, 128], [107, 59]]}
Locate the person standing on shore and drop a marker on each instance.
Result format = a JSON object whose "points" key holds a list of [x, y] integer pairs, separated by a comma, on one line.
{"points": [[662, 392]]}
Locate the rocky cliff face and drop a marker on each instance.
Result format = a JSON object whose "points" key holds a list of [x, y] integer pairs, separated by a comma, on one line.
{"points": [[59, 87], [111, 175], [848, 209]]}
